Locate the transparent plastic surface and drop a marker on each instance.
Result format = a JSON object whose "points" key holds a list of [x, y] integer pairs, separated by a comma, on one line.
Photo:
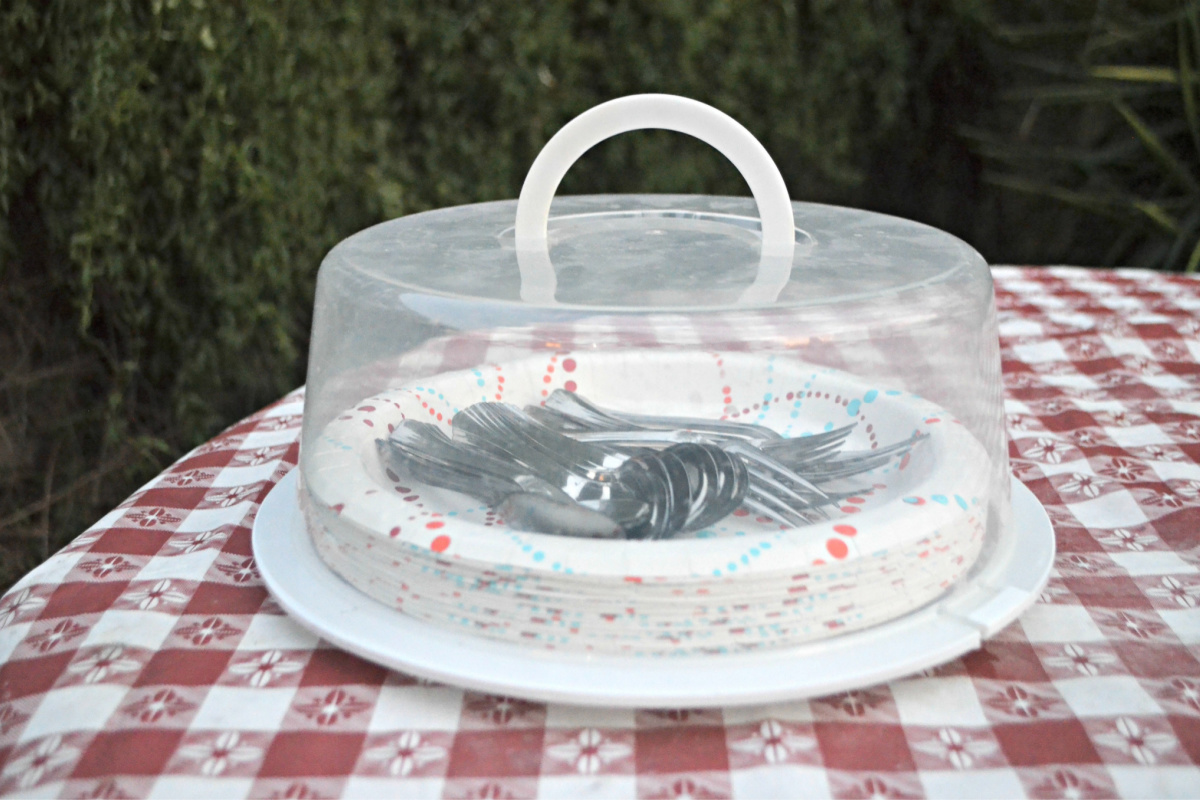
{"points": [[425, 300], [892, 301], [655, 425]]}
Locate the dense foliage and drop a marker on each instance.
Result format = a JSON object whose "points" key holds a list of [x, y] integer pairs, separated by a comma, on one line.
{"points": [[172, 171]]}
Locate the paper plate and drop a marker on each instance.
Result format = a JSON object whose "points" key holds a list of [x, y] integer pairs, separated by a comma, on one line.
{"points": [[1006, 580], [939, 488]]}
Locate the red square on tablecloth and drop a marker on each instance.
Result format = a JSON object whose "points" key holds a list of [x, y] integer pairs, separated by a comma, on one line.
{"points": [[297, 753], [27, 676], [130, 541], [221, 598], [1181, 529], [1005, 661], [331, 667], [128, 752], [1158, 660], [184, 497], [211, 461], [1046, 741], [1187, 730], [184, 668], [1110, 591], [238, 542], [496, 753], [77, 597], [852, 746], [684, 748]]}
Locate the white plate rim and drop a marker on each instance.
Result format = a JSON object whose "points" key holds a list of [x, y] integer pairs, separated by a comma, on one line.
{"points": [[1008, 581]]}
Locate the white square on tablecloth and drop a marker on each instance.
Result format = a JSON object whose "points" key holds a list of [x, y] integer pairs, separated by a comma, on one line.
{"points": [[586, 787], [245, 476], [276, 632], [791, 711], [1156, 782], [1176, 470], [131, 628], [1190, 407], [1152, 562], [1185, 622], [1092, 406], [1126, 346], [52, 571], [175, 563], [393, 788], [240, 708], [780, 780], [1113, 510], [1165, 381], [559, 715], [258, 439], [1040, 352], [209, 519], [1118, 302], [10, 637], [950, 700], [1019, 326], [44, 790], [1106, 696], [1137, 435], [172, 787], [1069, 381], [964, 784], [1080, 465], [1073, 319], [416, 708], [1015, 407], [74, 708], [1044, 622]]}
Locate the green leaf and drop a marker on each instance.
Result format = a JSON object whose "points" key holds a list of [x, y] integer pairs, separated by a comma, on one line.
{"points": [[1157, 214], [1194, 260], [1157, 147], [1086, 201], [1136, 74], [1187, 86]]}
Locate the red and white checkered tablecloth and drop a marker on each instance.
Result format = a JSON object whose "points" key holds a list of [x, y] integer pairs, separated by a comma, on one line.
{"points": [[146, 659]]}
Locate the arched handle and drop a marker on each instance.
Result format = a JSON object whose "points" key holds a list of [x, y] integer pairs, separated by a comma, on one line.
{"points": [[669, 112]]}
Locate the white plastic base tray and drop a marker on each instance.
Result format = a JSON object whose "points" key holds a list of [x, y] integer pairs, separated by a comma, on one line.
{"points": [[1004, 583]]}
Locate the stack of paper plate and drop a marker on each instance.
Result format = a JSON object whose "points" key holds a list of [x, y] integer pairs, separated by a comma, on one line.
{"points": [[746, 582]]}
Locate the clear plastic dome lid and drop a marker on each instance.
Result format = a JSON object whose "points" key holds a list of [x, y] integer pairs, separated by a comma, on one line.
{"points": [[799, 318]]}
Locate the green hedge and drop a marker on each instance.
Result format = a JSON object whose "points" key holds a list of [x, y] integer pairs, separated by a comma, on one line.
{"points": [[170, 176]]}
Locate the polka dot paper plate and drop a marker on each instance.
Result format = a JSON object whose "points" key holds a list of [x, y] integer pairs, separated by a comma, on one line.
{"points": [[937, 489]]}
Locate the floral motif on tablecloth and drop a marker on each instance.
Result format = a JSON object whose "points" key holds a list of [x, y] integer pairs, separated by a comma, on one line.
{"points": [[406, 753], [268, 668], [959, 748], [220, 754], [157, 705], [589, 752], [773, 742], [37, 761]]}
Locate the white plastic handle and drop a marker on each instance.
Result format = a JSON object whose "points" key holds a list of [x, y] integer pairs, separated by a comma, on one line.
{"points": [[670, 112]]}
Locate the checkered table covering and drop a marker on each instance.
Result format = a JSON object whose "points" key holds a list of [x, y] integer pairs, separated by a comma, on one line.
{"points": [[147, 659]]}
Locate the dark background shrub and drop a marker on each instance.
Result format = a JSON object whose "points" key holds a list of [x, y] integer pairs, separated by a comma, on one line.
{"points": [[172, 172]]}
